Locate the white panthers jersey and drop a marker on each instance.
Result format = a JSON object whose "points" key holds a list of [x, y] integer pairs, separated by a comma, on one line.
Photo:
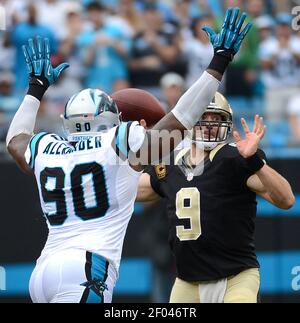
{"points": [[87, 191]]}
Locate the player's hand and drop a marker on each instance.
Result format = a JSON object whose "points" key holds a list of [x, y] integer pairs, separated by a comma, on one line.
{"points": [[248, 147], [230, 39], [40, 69]]}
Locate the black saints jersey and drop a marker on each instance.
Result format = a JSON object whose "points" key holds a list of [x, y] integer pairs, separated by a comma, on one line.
{"points": [[211, 216]]}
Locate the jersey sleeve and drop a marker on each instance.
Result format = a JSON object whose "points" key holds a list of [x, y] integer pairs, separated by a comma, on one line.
{"points": [[155, 182], [129, 137], [32, 150]]}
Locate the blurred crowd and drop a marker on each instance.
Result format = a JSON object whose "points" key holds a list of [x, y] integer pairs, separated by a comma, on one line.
{"points": [[158, 46]]}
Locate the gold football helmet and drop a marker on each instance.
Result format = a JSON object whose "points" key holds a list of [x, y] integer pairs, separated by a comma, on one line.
{"points": [[215, 124]]}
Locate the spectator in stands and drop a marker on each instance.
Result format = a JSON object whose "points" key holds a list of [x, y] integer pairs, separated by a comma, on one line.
{"points": [[232, 4], [74, 26], [46, 118], [284, 5], [104, 50], [182, 16], [70, 82], [8, 103], [68, 51], [154, 51], [15, 11], [255, 8], [127, 18], [162, 6], [129, 13], [52, 13], [201, 7], [7, 52], [187, 10], [265, 25], [19, 36], [173, 86], [293, 111], [3, 129], [198, 49], [280, 60]]}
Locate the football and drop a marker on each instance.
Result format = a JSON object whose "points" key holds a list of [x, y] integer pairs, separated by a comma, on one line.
{"points": [[135, 104]]}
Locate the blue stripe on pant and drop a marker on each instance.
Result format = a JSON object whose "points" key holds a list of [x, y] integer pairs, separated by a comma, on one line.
{"points": [[94, 298], [96, 271]]}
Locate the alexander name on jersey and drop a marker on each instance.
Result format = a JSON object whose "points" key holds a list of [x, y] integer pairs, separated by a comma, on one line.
{"points": [[59, 146]]}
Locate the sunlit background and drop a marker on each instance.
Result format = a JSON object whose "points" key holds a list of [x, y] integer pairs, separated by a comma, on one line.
{"points": [[158, 46]]}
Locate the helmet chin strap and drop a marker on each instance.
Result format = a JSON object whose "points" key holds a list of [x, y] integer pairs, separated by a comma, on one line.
{"points": [[198, 144], [209, 146], [206, 146]]}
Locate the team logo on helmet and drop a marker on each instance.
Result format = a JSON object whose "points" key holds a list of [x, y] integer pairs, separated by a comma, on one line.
{"points": [[89, 112]]}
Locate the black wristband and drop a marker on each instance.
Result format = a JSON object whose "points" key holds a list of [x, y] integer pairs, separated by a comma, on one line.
{"points": [[254, 163], [38, 86], [221, 61]]}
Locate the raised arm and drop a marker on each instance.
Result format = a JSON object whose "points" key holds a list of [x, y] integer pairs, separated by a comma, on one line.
{"points": [[266, 182], [272, 187], [145, 190], [193, 103], [41, 76]]}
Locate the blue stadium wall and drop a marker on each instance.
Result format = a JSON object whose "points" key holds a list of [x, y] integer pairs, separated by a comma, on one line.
{"points": [[23, 232]]}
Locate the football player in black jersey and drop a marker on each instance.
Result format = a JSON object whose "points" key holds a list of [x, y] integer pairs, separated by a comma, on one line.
{"points": [[210, 192]]}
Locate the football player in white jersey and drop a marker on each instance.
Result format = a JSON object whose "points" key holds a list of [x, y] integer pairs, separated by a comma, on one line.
{"points": [[88, 182]]}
